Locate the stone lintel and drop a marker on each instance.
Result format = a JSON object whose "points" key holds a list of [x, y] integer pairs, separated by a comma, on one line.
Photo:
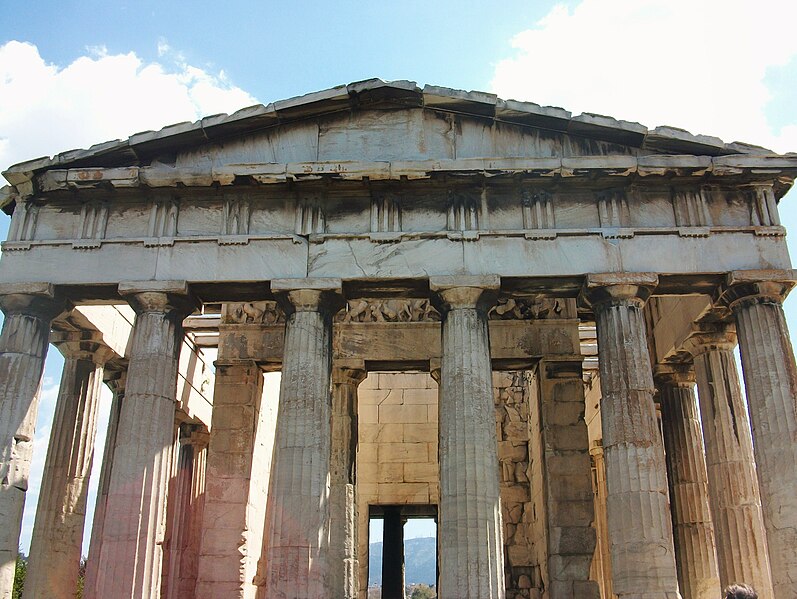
{"points": [[617, 287], [742, 286], [349, 371]]}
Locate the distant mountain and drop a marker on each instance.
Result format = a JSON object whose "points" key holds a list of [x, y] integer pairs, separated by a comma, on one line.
{"points": [[420, 562]]}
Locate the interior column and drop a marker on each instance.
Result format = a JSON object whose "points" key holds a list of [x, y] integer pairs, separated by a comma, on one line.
{"points": [[640, 529], [770, 375], [116, 381], [29, 310], [471, 536], [342, 496], [57, 540], [732, 484], [393, 554], [693, 530], [135, 517]]}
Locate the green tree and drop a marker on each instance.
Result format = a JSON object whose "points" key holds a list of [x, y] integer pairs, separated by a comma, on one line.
{"points": [[423, 591], [19, 575], [81, 578]]}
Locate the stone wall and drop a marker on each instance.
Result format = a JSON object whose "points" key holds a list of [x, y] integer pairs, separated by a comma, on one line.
{"points": [[512, 414], [397, 463], [397, 451]]}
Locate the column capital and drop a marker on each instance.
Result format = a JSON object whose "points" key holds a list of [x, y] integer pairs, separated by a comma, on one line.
{"points": [[116, 380], [619, 287], [455, 292], [159, 296], [308, 295], [348, 373], [435, 369], [82, 345], [675, 375], [706, 337], [744, 287], [40, 300]]}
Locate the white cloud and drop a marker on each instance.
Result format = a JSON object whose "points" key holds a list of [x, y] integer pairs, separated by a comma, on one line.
{"points": [[698, 65], [46, 109]]}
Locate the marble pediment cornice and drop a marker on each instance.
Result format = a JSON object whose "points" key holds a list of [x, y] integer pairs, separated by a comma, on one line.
{"points": [[631, 169], [142, 148]]}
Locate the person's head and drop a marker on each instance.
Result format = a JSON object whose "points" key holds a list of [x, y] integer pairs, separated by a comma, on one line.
{"points": [[739, 591]]}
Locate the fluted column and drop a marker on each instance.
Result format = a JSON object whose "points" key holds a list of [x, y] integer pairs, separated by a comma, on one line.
{"points": [[471, 539], [640, 529], [181, 546], [135, 513], [344, 561], [693, 531], [28, 310], [116, 381], [297, 560], [770, 375], [732, 484], [57, 540]]}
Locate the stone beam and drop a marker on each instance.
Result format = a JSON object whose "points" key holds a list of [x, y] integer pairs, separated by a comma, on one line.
{"points": [[513, 343], [244, 263]]}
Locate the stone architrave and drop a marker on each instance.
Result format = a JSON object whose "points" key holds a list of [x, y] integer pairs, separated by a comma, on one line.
{"points": [[229, 550], [344, 562], [567, 482], [116, 381], [693, 530], [732, 484], [640, 529], [29, 310], [297, 556], [470, 528], [57, 541], [770, 375], [135, 516]]}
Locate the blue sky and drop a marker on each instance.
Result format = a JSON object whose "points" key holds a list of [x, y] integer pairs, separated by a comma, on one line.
{"points": [[77, 73]]}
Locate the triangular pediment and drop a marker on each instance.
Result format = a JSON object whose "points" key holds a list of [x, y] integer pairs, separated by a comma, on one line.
{"points": [[386, 121]]}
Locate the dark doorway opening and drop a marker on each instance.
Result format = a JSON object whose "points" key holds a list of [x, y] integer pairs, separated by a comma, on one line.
{"points": [[404, 564]]}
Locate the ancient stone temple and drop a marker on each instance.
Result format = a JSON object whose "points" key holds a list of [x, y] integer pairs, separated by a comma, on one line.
{"points": [[512, 320]]}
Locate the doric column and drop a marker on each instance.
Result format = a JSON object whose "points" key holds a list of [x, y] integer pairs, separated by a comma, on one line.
{"points": [[185, 502], [770, 375], [116, 381], [393, 554], [232, 532], [57, 540], [344, 561], [471, 536], [189, 558], [135, 513], [29, 310], [297, 560], [640, 530], [732, 485], [693, 531]]}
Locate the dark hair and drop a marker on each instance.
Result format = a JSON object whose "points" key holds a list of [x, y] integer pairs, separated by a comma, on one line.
{"points": [[739, 591]]}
